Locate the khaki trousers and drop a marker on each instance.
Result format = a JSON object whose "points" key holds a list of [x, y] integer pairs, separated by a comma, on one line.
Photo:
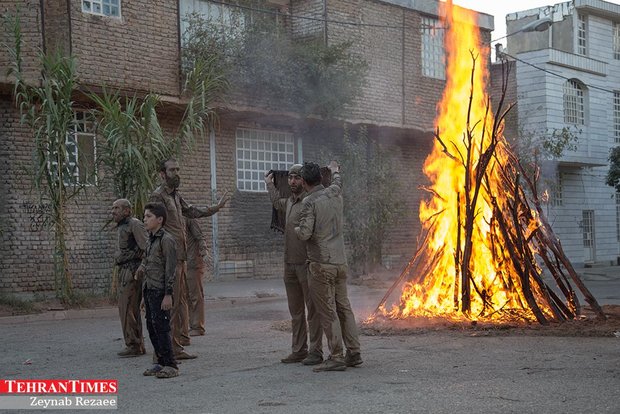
{"points": [[129, 298], [179, 319], [298, 296], [328, 290], [196, 298]]}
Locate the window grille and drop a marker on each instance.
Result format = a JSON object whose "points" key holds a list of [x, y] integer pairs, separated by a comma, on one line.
{"points": [[574, 103], [102, 7], [617, 117], [259, 151], [582, 24], [433, 54]]}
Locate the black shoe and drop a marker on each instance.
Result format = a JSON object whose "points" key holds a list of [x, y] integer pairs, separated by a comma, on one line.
{"points": [[331, 365], [313, 358], [353, 360], [292, 358]]}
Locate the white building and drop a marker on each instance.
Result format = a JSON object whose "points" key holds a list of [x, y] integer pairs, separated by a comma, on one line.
{"points": [[568, 76]]}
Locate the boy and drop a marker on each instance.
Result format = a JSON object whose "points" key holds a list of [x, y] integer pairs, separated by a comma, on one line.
{"points": [[158, 268]]}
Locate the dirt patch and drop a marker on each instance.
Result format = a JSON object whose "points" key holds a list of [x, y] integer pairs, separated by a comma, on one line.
{"points": [[586, 325]]}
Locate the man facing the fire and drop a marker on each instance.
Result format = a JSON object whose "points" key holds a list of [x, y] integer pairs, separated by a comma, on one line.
{"points": [[321, 225]]}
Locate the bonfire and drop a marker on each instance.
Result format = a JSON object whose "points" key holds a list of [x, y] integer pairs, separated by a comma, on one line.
{"points": [[486, 251]]}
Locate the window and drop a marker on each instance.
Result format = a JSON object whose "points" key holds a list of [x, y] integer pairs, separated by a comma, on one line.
{"points": [[582, 25], [81, 149], [259, 151], [588, 228], [616, 42], [102, 7], [433, 55], [574, 102], [618, 216], [617, 117], [556, 191]]}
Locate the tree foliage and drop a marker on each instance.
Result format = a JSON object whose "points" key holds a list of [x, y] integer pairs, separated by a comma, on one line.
{"points": [[373, 198], [263, 61], [613, 175]]}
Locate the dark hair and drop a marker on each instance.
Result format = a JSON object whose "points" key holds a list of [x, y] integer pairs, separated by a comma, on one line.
{"points": [[158, 210], [162, 164], [311, 173]]}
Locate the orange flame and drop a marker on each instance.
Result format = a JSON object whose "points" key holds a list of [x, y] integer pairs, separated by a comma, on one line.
{"points": [[438, 294]]}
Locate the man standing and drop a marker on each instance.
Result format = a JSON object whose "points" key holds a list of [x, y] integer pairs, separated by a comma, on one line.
{"points": [[177, 208], [321, 225], [130, 249], [196, 259], [296, 274]]}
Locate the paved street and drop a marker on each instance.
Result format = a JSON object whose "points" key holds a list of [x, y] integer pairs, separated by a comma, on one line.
{"points": [[238, 369]]}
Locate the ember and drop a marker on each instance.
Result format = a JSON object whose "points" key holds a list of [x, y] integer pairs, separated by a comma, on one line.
{"points": [[483, 243]]}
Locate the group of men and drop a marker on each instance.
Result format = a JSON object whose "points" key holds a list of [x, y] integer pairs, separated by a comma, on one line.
{"points": [[315, 269], [161, 265], [137, 259]]}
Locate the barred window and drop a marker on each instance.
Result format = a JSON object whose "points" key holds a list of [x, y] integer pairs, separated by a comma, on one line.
{"points": [[102, 7], [556, 191], [259, 151], [616, 42], [617, 117], [81, 151], [582, 25], [433, 54], [618, 216], [574, 112]]}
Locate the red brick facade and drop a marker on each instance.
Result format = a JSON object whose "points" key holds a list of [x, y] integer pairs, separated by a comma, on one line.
{"points": [[139, 52]]}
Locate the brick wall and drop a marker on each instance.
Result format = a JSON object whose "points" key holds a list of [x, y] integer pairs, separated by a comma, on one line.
{"points": [[25, 240], [32, 41], [139, 51]]}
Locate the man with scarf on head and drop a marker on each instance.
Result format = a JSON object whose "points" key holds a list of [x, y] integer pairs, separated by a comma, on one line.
{"points": [[296, 274], [177, 208]]}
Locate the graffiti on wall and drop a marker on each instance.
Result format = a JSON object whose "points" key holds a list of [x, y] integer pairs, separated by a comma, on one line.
{"points": [[38, 214]]}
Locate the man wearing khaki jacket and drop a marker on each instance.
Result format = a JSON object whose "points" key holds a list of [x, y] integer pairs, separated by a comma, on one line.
{"points": [[321, 225], [296, 275]]}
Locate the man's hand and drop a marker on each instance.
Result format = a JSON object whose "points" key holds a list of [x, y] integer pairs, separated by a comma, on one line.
{"points": [[269, 178], [334, 167], [139, 273], [166, 303]]}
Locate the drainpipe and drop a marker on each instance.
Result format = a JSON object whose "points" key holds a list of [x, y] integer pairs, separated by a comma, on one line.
{"points": [[214, 218], [325, 22]]}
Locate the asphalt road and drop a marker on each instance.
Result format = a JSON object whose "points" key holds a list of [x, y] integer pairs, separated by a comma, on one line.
{"points": [[238, 369]]}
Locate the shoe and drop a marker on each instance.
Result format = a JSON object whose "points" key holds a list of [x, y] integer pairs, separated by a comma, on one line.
{"points": [[184, 355], [353, 360], [130, 353], [331, 365], [313, 358], [151, 372], [292, 358], [185, 342], [167, 372], [196, 332]]}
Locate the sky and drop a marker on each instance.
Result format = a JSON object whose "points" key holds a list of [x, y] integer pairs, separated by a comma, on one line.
{"points": [[500, 8]]}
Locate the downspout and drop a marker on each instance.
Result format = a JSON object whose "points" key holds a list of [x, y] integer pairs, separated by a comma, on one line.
{"points": [[402, 63], [214, 218], [325, 22]]}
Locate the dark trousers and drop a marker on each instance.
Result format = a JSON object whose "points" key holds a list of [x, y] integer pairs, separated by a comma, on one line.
{"points": [[158, 325]]}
